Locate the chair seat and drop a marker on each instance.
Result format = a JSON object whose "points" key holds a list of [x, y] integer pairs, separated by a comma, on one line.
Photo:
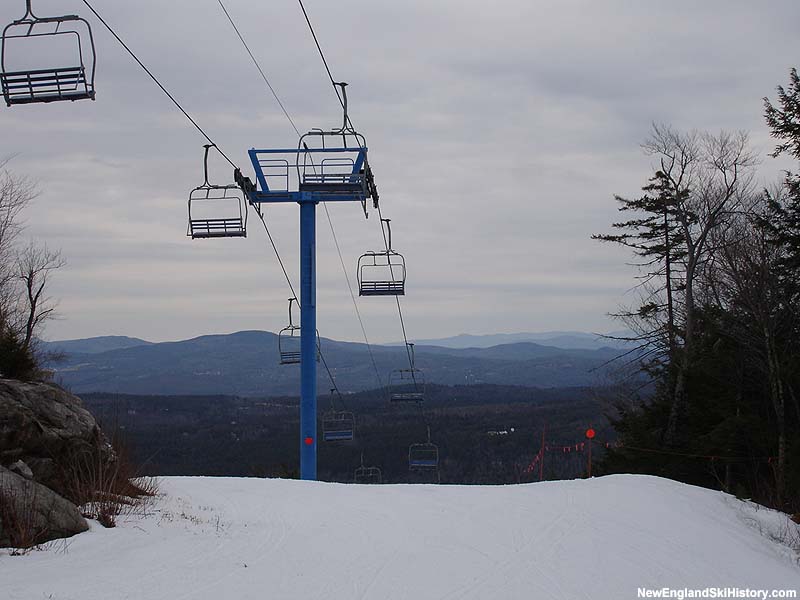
{"points": [[407, 397], [382, 288], [424, 464], [338, 436], [216, 228], [290, 358], [331, 187], [45, 85]]}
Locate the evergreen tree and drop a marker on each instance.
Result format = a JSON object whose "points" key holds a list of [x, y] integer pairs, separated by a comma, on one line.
{"points": [[652, 234], [784, 221]]}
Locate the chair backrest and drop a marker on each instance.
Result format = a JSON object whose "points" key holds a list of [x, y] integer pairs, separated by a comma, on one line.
{"points": [[217, 211], [381, 274], [289, 345]]}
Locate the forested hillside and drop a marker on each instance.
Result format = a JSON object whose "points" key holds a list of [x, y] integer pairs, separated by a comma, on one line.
{"points": [[485, 434]]}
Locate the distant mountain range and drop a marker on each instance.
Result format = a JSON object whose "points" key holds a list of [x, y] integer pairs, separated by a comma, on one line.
{"points": [[568, 340], [246, 364], [95, 345]]}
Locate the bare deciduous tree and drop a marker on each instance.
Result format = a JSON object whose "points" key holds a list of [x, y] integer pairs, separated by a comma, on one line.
{"points": [[712, 177], [747, 284], [15, 194], [24, 274], [34, 266]]}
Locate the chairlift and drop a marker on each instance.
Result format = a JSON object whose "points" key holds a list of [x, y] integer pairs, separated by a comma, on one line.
{"points": [[326, 166], [407, 385], [289, 340], [382, 273], [346, 171], [289, 344], [423, 456], [29, 48], [216, 211], [367, 475], [338, 426]]}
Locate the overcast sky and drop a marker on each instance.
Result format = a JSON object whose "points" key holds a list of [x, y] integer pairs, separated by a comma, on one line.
{"points": [[498, 133]]}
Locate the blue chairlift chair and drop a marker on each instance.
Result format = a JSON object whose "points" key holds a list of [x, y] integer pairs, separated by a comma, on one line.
{"points": [[338, 425], [423, 456]]}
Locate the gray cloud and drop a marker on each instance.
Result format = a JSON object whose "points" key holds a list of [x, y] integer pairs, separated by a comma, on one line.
{"points": [[499, 133]]}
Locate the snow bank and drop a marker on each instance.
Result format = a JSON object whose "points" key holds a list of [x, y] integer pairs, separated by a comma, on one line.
{"points": [[214, 539]]}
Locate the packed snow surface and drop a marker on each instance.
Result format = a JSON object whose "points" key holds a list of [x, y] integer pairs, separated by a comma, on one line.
{"points": [[603, 538]]}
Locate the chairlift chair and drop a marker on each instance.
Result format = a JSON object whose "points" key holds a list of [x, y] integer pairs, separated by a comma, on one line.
{"points": [[216, 211], [367, 475], [66, 41], [289, 345], [346, 170], [407, 385], [382, 273], [338, 426], [423, 456], [289, 340]]}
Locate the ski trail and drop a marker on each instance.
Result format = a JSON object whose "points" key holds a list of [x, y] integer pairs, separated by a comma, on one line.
{"points": [[250, 539]]}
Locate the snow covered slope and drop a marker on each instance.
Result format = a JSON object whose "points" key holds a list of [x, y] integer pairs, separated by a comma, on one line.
{"points": [[242, 539]]}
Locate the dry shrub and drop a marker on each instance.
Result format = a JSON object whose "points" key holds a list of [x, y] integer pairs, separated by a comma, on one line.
{"points": [[18, 521], [105, 488]]}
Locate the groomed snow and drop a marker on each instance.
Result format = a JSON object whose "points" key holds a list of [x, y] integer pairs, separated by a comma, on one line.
{"points": [[241, 539]]}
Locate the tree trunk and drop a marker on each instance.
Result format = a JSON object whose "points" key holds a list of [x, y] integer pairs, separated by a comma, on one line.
{"points": [[779, 404], [668, 283], [679, 397]]}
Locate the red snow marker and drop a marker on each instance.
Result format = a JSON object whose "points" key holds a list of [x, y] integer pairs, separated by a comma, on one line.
{"points": [[590, 433], [309, 441]]}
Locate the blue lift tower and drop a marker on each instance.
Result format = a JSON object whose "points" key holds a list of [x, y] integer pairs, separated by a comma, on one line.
{"points": [[326, 166]]}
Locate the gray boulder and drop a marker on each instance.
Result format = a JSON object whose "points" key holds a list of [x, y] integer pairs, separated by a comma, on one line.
{"points": [[46, 427], [20, 468], [32, 514]]}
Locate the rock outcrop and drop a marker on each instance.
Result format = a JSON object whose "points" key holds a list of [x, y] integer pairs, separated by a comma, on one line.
{"points": [[46, 428], [32, 514], [48, 443]]}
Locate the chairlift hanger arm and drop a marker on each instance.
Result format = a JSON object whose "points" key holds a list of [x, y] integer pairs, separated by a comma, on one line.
{"points": [[292, 301], [33, 20], [389, 232], [343, 85], [29, 17], [205, 160]]}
